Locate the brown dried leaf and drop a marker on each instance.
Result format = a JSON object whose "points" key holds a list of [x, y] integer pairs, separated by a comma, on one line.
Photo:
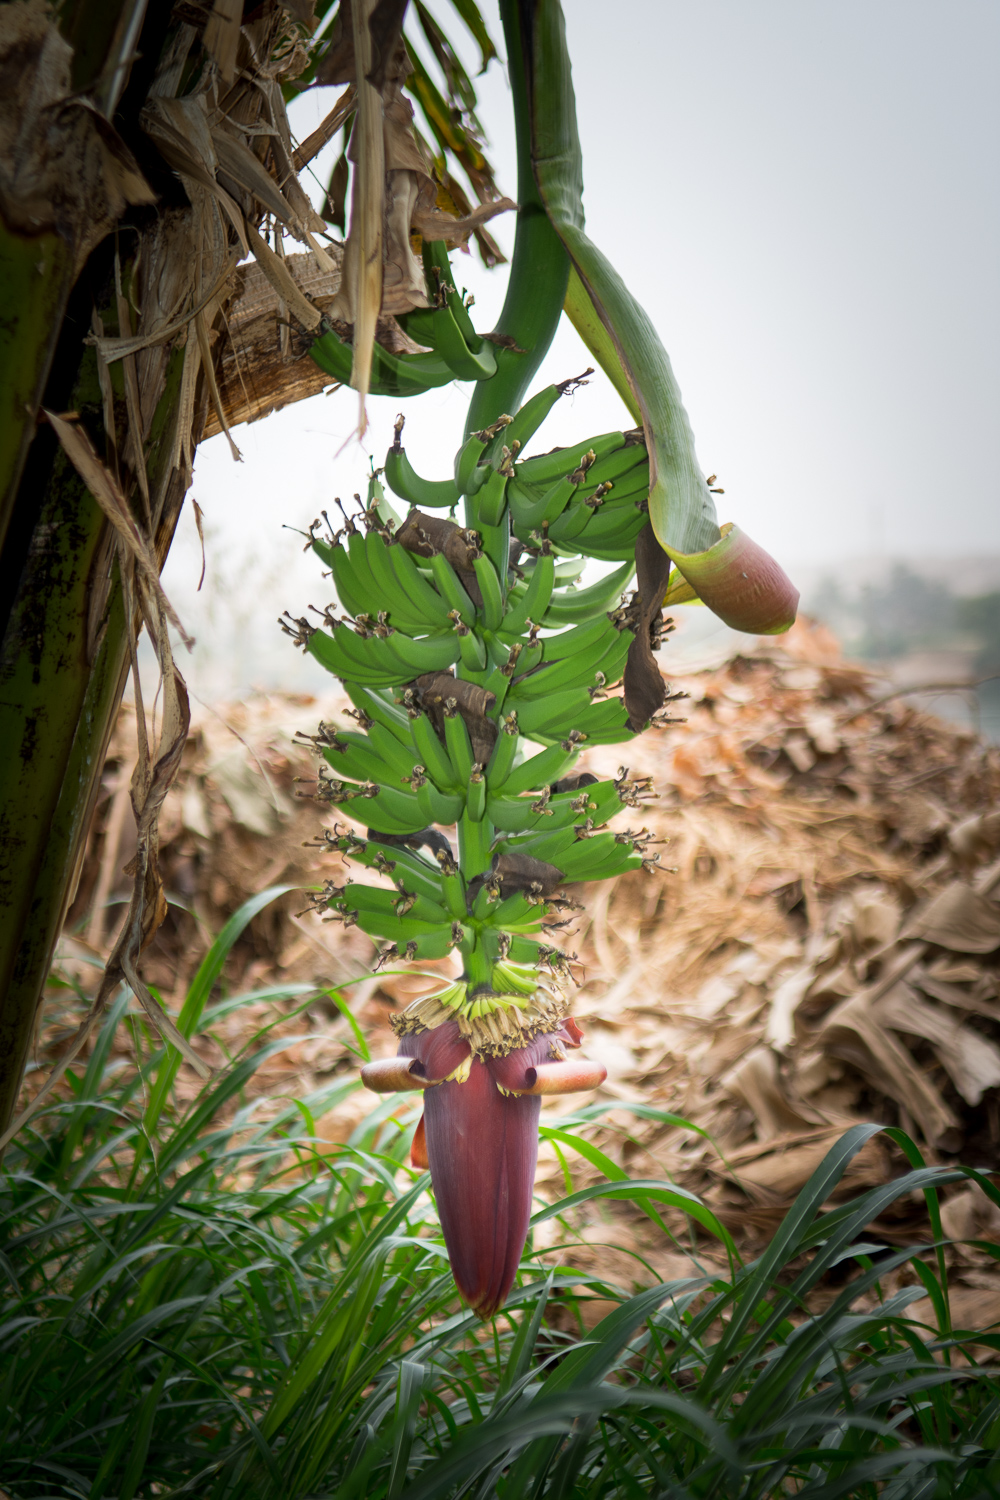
{"points": [[959, 918], [645, 690], [80, 452]]}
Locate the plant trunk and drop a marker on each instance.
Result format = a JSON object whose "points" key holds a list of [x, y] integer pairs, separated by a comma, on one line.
{"points": [[64, 636]]}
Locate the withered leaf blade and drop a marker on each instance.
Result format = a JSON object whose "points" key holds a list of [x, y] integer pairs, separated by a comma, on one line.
{"points": [[959, 918], [521, 872], [386, 26], [645, 691]]}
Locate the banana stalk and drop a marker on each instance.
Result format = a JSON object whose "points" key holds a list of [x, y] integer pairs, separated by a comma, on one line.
{"points": [[450, 670]]}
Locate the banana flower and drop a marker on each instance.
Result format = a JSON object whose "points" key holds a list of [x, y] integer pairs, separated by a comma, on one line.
{"points": [[483, 1087]]}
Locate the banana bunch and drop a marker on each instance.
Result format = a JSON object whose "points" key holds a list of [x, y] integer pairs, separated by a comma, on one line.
{"points": [[452, 349], [457, 645]]}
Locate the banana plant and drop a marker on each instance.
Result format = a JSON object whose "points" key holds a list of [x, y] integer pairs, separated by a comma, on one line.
{"points": [[479, 670]]}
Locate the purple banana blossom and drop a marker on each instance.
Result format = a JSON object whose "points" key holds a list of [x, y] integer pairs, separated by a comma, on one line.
{"points": [[479, 1136]]}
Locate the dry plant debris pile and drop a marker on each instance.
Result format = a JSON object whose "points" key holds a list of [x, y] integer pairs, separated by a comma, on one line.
{"points": [[819, 846]]}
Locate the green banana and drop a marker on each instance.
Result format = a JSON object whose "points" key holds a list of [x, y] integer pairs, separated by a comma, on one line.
{"points": [[615, 465], [431, 653], [578, 639], [567, 608], [540, 770], [376, 900], [472, 650], [439, 807], [500, 762], [590, 864], [451, 588], [391, 810], [377, 708], [331, 653], [531, 415], [450, 343], [377, 755], [495, 541], [569, 672], [432, 754], [548, 845], [423, 597], [352, 599], [404, 865], [529, 515], [549, 715], [470, 474], [490, 499], [392, 375], [425, 494], [475, 796], [456, 738], [363, 579], [518, 814], [535, 600], [492, 591], [546, 467], [389, 597]]}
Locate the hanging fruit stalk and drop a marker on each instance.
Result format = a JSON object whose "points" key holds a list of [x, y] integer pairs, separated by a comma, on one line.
{"points": [[479, 672]]}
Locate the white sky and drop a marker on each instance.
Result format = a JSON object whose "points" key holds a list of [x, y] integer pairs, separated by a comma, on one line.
{"points": [[804, 197]]}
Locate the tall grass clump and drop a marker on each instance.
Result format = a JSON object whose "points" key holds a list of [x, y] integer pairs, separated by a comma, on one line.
{"points": [[200, 1302]]}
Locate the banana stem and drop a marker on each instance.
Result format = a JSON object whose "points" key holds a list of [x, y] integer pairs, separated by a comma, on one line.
{"points": [[539, 271], [477, 966]]}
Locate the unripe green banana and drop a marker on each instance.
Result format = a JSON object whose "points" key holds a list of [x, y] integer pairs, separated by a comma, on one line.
{"points": [[475, 795], [471, 649], [333, 653], [391, 375], [404, 481], [377, 708], [390, 596], [550, 846], [402, 865], [548, 716], [547, 467], [491, 590], [350, 593], [501, 761], [490, 499], [516, 913], [613, 467], [431, 653], [470, 474], [391, 810], [566, 608], [451, 588], [354, 757], [465, 361], [432, 754], [542, 769], [536, 598], [531, 415], [423, 597], [456, 738], [439, 807], [529, 514], [495, 541]]}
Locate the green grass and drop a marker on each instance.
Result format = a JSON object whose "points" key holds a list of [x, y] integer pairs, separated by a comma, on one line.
{"points": [[196, 1302]]}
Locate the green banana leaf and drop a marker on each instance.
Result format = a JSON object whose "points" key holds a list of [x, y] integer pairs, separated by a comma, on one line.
{"points": [[728, 572]]}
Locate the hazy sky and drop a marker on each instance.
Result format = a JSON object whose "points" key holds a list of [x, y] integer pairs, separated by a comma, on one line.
{"points": [[803, 194]]}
